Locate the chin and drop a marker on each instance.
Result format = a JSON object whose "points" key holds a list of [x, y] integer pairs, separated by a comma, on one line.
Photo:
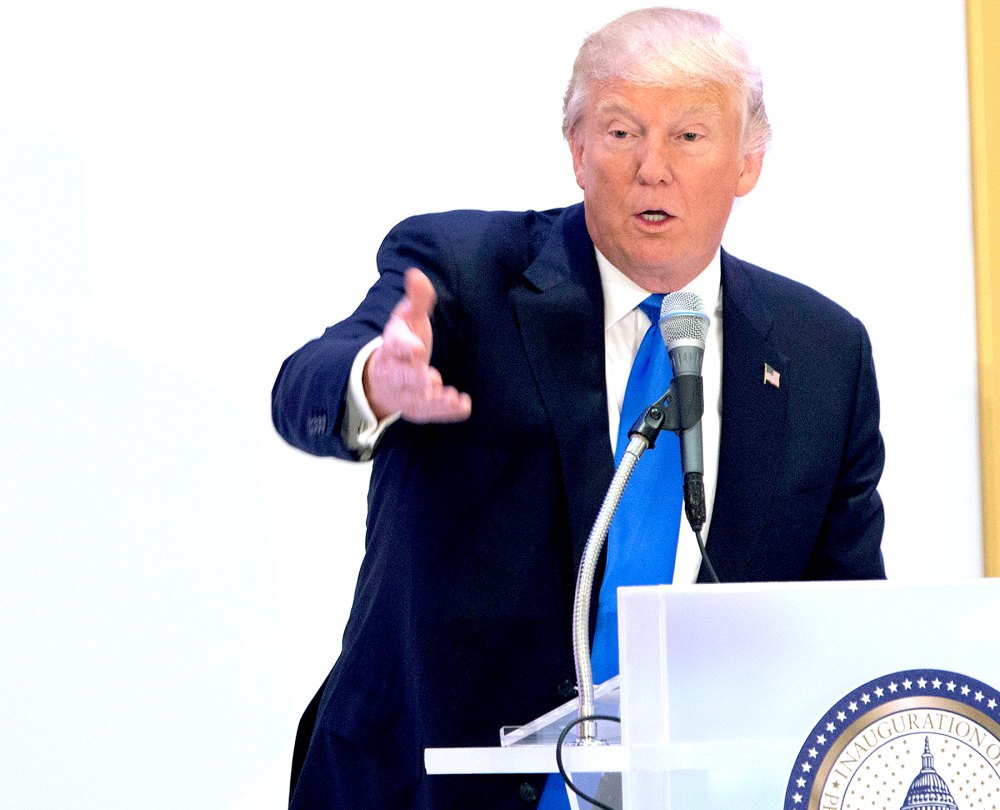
{"points": [[657, 265]]}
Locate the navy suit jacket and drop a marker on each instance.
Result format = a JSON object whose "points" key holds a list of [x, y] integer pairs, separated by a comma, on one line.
{"points": [[461, 619]]}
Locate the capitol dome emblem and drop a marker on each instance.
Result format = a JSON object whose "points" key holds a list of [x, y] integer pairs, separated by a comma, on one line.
{"points": [[916, 740]]}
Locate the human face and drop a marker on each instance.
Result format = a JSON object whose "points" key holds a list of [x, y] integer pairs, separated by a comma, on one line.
{"points": [[659, 169]]}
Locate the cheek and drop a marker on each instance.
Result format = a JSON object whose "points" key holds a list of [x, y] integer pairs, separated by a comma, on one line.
{"points": [[718, 183], [611, 175]]}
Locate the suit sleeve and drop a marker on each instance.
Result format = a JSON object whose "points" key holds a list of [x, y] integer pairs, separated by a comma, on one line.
{"points": [[849, 545], [308, 401]]}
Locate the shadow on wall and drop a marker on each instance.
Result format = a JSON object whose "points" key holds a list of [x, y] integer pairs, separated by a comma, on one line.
{"points": [[134, 571]]}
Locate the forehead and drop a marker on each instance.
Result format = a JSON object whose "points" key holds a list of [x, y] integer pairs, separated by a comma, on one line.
{"points": [[625, 98]]}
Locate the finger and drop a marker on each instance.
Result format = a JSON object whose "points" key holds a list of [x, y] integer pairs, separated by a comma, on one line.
{"points": [[447, 404], [406, 378], [412, 389]]}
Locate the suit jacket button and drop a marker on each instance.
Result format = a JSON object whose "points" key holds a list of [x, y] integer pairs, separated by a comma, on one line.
{"points": [[527, 792], [567, 689]]}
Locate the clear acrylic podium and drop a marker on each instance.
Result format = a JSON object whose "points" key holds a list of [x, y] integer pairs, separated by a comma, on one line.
{"points": [[721, 684]]}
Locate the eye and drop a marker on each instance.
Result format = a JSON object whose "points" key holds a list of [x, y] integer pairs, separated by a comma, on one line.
{"points": [[620, 134], [691, 137]]}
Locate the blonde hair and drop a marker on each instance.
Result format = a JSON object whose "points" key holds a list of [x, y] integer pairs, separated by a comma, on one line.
{"points": [[666, 47]]}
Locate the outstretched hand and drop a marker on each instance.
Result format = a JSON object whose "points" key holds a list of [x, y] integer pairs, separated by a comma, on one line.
{"points": [[398, 376]]}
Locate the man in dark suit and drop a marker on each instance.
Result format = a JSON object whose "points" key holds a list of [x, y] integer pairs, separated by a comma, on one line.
{"points": [[478, 374]]}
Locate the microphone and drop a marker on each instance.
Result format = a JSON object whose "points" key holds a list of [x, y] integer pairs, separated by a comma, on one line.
{"points": [[684, 326]]}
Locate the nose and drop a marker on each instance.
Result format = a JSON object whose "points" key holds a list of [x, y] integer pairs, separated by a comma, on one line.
{"points": [[654, 165]]}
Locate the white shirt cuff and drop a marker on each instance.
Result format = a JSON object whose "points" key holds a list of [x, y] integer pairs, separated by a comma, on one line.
{"points": [[362, 429]]}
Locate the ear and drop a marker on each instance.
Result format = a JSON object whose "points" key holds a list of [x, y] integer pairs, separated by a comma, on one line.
{"points": [[576, 150], [750, 174]]}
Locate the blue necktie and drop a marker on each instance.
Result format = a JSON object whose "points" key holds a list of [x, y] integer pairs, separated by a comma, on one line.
{"points": [[642, 540]]}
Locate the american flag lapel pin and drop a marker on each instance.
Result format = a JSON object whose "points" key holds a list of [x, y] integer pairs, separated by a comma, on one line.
{"points": [[772, 376]]}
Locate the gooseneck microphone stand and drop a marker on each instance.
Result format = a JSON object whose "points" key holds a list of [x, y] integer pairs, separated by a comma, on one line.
{"points": [[661, 414]]}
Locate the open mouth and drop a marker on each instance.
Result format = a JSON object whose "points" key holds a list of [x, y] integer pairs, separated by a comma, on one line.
{"points": [[654, 216]]}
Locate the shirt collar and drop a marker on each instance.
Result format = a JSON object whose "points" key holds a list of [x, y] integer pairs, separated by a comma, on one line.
{"points": [[622, 295]]}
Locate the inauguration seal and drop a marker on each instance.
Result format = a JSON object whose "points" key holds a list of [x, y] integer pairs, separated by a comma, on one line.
{"points": [[924, 738]]}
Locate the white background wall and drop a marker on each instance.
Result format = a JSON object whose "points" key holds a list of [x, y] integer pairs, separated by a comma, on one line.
{"points": [[190, 190]]}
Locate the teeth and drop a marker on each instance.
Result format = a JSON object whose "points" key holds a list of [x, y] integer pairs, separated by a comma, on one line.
{"points": [[651, 216]]}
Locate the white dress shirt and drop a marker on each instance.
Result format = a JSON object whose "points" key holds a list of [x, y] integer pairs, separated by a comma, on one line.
{"points": [[624, 327]]}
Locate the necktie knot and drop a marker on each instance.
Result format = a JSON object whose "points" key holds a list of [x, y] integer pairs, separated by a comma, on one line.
{"points": [[651, 306]]}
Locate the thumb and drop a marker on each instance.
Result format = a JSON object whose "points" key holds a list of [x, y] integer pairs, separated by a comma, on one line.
{"points": [[420, 298], [416, 307]]}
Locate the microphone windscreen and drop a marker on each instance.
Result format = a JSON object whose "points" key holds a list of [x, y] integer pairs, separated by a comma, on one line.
{"points": [[683, 318]]}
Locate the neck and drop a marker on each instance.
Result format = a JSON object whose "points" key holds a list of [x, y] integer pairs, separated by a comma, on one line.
{"points": [[664, 282]]}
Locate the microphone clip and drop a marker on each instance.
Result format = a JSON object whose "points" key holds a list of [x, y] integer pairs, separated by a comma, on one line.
{"points": [[679, 409]]}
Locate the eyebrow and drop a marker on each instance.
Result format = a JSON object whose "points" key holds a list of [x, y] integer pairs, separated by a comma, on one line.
{"points": [[614, 106]]}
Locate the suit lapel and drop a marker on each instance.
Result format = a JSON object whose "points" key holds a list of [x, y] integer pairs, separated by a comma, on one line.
{"points": [[560, 314], [754, 424]]}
